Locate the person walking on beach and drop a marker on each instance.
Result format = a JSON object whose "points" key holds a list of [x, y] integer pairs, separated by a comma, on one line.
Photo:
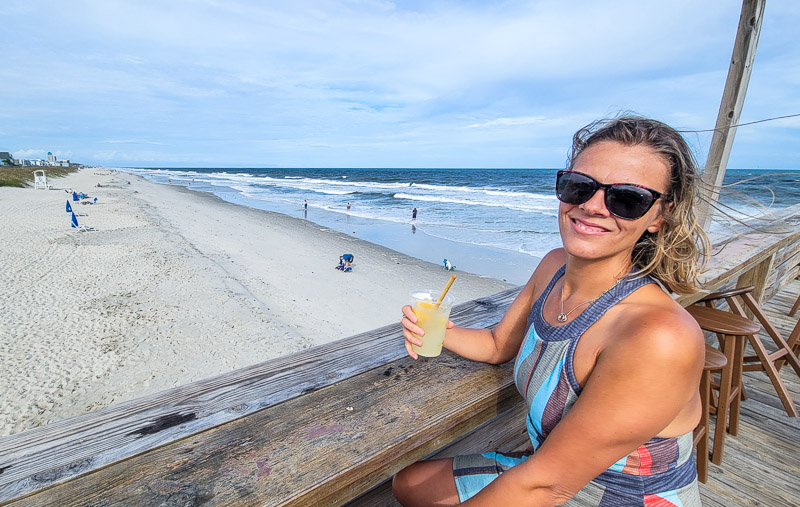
{"points": [[348, 206], [608, 364], [305, 204], [414, 214]]}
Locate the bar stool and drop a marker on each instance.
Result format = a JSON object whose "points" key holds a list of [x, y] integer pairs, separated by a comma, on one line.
{"points": [[763, 360], [795, 307], [732, 331], [715, 362]]}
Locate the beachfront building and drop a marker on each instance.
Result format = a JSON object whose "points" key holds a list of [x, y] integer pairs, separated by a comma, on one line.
{"points": [[51, 159], [6, 158]]}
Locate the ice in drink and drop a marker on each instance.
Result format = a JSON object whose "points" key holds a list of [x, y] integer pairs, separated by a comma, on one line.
{"points": [[433, 320]]}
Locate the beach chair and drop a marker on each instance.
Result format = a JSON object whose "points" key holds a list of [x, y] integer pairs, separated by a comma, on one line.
{"points": [[81, 228], [70, 210], [40, 180]]}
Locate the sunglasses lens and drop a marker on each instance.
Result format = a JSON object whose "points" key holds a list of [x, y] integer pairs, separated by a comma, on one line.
{"points": [[625, 201], [574, 188], [629, 201]]}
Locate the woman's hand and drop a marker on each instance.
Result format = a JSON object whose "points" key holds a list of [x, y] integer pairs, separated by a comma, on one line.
{"points": [[409, 323]]}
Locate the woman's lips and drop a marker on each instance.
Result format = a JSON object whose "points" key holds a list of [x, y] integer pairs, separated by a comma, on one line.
{"points": [[587, 227]]}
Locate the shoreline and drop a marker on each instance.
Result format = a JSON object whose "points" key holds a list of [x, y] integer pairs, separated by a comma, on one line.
{"points": [[423, 239], [174, 286]]}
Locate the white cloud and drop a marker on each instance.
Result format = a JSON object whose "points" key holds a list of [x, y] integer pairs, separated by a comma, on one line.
{"points": [[29, 153], [189, 76], [130, 141], [509, 122]]}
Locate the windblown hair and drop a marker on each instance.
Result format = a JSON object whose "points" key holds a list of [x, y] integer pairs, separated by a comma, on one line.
{"points": [[672, 255]]}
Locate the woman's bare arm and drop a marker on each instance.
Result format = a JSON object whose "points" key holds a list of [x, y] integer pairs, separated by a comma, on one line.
{"points": [[501, 344], [637, 387]]}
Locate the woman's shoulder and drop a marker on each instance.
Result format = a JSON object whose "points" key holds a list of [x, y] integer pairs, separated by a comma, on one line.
{"points": [[650, 322], [550, 264]]}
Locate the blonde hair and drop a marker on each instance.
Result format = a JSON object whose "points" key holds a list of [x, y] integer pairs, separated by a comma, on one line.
{"points": [[672, 254]]}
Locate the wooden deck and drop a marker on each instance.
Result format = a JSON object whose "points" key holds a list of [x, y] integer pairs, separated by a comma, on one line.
{"points": [[323, 426], [761, 465]]}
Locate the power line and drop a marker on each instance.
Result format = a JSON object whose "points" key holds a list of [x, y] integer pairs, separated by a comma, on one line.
{"points": [[740, 124]]}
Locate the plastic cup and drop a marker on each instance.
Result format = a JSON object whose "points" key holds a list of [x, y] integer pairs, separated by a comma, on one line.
{"points": [[431, 319]]}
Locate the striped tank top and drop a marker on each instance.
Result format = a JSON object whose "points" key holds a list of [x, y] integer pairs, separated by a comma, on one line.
{"points": [[661, 472]]}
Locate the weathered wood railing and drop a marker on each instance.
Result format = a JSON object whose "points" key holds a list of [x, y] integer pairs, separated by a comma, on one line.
{"points": [[320, 427]]}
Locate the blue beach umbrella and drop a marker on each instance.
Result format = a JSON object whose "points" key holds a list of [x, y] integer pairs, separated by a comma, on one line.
{"points": [[69, 208], [74, 220]]}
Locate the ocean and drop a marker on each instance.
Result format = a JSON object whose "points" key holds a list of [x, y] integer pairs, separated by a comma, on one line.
{"points": [[493, 222]]}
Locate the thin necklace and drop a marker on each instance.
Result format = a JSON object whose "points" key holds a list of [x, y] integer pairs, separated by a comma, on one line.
{"points": [[562, 317]]}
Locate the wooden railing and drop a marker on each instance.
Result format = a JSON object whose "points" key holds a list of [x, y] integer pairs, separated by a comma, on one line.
{"points": [[319, 427]]}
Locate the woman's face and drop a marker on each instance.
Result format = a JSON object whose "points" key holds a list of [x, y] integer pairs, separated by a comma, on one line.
{"points": [[589, 230]]}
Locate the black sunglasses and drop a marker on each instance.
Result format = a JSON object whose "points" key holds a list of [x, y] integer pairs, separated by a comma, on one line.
{"points": [[624, 200]]}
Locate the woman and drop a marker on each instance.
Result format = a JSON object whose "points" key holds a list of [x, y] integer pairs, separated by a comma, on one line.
{"points": [[608, 363]]}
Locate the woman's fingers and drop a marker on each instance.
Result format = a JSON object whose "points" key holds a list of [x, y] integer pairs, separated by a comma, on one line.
{"points": [[410, 350], [410, 338], [408, 322], [409, 328], [409, 313]]}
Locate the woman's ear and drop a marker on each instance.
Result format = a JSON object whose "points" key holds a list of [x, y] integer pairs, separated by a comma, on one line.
{"points": [[656, 225]]}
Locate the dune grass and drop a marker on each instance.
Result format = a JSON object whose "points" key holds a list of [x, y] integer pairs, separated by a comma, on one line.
{"points": [[22, 176]]}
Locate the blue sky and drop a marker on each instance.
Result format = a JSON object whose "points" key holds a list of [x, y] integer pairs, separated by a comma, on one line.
{"points": [[372, 83]]}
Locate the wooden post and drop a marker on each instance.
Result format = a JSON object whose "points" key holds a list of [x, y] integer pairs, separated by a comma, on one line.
{"points": [[730, 108], [757, 277]]}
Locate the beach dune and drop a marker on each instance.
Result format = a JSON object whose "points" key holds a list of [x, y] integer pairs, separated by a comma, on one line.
{"points": [[173, 286]]}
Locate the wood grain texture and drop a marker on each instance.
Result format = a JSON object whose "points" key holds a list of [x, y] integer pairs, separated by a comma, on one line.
{"points": [[45, 456], [730, 107], [191, 444], [319, 449]]}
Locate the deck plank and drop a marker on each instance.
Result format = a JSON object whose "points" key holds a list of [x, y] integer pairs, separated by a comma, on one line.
{"points": [[761, 465], [45, 456], [325, 453], [340, 441]]}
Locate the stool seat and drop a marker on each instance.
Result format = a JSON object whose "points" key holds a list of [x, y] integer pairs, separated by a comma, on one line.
{"points": [[732, 331], [768, 362], [720, 321], [715, 360], [738, 291]]}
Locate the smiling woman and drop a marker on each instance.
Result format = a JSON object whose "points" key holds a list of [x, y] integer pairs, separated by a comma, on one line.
{"points": [[671, 251], [578, 331]]}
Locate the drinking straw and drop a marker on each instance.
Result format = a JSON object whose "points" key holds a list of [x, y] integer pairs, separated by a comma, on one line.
{"points": [[444, 292]]}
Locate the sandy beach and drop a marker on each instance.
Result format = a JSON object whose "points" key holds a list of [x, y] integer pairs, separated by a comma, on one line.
{"points": [[173, 286]]}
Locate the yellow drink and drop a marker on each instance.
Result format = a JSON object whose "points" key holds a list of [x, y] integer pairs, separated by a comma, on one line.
{"points": [[431, 319]]}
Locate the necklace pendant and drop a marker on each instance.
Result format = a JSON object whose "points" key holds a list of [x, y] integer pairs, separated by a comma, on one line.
{"points": [[562, 317]]}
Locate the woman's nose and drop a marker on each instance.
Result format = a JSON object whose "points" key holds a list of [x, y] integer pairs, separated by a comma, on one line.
{"points": [[596, 205]]}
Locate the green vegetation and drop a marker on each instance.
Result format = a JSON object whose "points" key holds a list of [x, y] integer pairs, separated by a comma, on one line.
{"points": [[22, 176]]}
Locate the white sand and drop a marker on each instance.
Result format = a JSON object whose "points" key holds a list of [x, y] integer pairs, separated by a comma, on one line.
{"points": [[173, 286]]}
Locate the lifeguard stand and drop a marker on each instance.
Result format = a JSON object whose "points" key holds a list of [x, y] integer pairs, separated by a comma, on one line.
{"points": [[40, 180]]}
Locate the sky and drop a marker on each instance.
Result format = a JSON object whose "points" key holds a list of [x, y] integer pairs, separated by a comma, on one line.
{"points": [[374, 83]]}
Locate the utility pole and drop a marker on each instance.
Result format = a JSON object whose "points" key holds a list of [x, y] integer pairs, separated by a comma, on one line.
{"points": [[730, 108]]}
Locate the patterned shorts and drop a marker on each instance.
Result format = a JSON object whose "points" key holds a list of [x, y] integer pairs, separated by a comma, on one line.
{"points": [[474, 472]]}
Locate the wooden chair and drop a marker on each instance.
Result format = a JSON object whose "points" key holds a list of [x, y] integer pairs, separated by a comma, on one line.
{"points": [[732, 331], [763, 360], [795, 307], [715, 362]]}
